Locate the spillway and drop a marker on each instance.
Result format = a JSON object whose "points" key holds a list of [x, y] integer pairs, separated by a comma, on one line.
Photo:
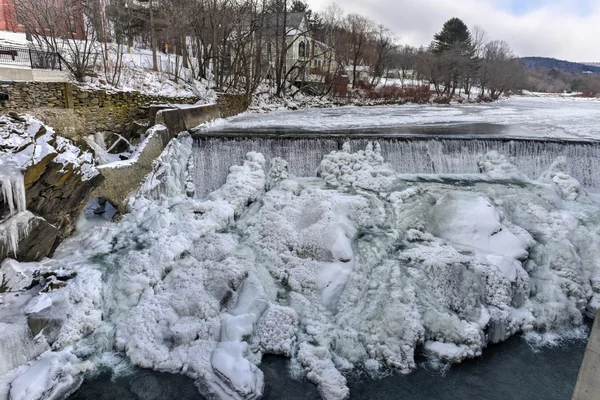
{"points": [[215, 153]]}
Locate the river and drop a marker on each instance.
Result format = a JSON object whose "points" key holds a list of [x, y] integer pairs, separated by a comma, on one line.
{"points": [[512, 370]]}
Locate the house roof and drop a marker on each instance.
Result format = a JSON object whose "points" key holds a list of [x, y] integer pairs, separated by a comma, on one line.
{"points": [[293, 20]]}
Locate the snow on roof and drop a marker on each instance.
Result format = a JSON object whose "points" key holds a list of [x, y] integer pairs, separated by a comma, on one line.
{"points": [[293, 21]]}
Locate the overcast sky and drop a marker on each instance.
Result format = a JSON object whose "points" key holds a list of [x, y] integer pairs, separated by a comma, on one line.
{"points": [[564, 29]]}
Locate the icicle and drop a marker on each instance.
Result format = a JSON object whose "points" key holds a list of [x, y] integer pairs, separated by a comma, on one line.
{"points": [[16, 225], [19, 195], [13, 189], [7, 193], [15, 228]]}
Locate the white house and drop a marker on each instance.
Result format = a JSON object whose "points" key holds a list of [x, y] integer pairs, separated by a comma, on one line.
{"points": [[307, 59]]}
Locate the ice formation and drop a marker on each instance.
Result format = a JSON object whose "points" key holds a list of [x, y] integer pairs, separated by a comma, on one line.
{"points": [[353, 270], [25, 142], [15, 225]]}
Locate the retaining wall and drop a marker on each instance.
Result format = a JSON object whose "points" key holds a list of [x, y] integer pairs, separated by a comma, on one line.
{"points": [[123, 178], [101, 110], [588, 381]]}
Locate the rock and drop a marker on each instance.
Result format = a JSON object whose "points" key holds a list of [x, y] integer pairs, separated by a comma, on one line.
{"points": [[17, 276], [17, 346], [40, 243], [59, 196], [48, 322], [16, 116], [34, 172]]}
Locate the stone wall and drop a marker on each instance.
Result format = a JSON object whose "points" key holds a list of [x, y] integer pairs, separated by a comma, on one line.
{"points": [[113, 111], [101, 110], [28, 95], [232, 104]]}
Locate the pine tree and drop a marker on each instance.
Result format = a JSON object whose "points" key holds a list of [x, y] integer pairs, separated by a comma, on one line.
{"points": [[314, 21], [454, 34]]}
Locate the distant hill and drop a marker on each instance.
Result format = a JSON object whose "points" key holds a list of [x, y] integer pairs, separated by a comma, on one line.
{"points": [[544, 62]]}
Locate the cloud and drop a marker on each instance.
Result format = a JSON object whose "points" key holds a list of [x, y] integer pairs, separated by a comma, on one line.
{"points": [[565, 29]]}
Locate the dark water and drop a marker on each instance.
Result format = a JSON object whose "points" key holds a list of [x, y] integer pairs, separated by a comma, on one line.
{"points": [[508, 371]]}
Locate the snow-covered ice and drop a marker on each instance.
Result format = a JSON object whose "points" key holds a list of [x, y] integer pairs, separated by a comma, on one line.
{"points": [[354, 269], [519, 116]]}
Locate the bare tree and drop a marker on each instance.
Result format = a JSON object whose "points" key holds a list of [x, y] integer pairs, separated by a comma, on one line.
{"points": [[359, 31], [384, 47], [67, 27], [406, 58], [501, 69]]}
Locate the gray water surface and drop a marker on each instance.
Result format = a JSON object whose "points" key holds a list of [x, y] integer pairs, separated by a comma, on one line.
{"points": [[512, 370]]}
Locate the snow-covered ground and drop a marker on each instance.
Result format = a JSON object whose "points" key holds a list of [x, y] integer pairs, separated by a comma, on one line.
{"points": [[137, 75], [527, 116], [351, 271]]}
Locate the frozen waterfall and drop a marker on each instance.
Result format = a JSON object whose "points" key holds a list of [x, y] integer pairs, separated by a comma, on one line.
{"points": [[358, 269], [214, 155]]}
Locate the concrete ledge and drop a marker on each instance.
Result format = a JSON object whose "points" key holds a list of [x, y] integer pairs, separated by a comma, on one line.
{"points": [[183, 118], [123, 178], [17, 74], [588, 380]]}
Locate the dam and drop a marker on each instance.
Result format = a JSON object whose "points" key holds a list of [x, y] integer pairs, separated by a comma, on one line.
{"points": [[215, 152]]}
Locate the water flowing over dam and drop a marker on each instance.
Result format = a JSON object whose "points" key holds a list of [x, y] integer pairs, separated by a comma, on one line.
{"points": [[420, 154]]}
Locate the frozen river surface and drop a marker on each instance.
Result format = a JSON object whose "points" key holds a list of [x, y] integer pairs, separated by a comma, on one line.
{"points": [[518, 116]]}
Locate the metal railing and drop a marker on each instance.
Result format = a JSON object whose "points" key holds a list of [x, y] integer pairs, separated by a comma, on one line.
{"points": [[35, 59]]}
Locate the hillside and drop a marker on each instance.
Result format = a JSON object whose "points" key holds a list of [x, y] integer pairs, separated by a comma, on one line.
{"points": [[552, 63]]}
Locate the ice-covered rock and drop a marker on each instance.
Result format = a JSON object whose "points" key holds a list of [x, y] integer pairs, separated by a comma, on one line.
{"points": [[277, 173], [496, 166], [276, 331], [17, 345], [54, 375], [321, 370], [44, 179], [472, 221], [567, 187], [364, 169], [17, 276]]}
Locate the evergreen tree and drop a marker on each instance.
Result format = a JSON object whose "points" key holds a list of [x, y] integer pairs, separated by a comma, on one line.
{"points": [[314, 20], [454, 34]]}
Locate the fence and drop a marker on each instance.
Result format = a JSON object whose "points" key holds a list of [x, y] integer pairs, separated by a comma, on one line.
{"points": [[35, 59]]}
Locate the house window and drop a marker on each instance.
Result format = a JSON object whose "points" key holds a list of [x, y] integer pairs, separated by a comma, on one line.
{"points": [[302, 49]]}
